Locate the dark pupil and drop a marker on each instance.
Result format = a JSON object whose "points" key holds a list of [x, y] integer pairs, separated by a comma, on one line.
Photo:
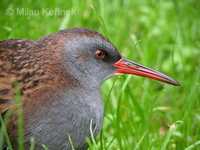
{"points": [[99, 53]]}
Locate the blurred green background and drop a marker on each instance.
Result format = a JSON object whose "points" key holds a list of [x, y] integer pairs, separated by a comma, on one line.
{"points": [[161, 34]]}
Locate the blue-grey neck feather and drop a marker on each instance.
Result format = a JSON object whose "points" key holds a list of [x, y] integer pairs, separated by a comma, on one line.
{"points": [[71, 115]]}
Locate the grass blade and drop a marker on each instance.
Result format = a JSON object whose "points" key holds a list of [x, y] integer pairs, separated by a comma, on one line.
{"points": [[20, 116], [193, 145], [169, 134]]}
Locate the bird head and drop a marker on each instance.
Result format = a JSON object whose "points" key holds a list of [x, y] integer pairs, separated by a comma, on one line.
{"points": [[92, 57]]}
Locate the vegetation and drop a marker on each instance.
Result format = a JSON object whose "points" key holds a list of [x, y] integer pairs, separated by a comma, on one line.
{"points": [[140, 113]]}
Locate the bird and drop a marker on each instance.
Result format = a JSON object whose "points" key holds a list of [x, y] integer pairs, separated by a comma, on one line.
{"points": [[59, 78]]}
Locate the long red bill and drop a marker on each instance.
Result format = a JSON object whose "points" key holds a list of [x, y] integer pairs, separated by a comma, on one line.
{"points": [[125, 66]]}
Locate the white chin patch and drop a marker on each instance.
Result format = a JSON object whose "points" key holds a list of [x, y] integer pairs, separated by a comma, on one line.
{"points": [[118, 74]]}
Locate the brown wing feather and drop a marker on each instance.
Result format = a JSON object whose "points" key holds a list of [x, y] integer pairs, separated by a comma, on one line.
{"points": [[9, 53], [37, 65]]}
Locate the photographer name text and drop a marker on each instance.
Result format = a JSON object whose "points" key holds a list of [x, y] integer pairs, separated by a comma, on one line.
{"points": [[43, 11]]}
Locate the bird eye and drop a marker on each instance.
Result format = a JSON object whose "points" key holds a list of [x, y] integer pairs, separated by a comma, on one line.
{"points": [[100, 53]]}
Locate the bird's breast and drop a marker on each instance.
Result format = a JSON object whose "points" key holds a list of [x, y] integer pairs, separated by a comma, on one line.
{"points": [[69, 115]]}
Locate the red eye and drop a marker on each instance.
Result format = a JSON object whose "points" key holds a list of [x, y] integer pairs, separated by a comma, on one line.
{"points": [[100, 53]]}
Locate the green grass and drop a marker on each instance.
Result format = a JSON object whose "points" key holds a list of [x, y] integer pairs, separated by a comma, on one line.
{"points": [[164, 35]]}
